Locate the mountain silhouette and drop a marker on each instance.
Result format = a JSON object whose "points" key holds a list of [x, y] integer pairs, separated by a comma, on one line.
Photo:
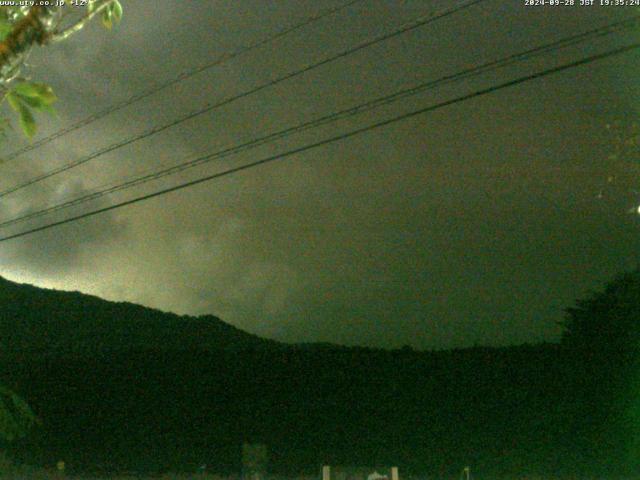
{"points": [[121, 387], [57, 322]]}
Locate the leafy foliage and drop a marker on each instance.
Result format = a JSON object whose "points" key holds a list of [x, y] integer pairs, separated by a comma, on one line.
{"points": [[602, 338], [29, 97], [110, 15], [16, 417], [607, 320], [5, 24]]}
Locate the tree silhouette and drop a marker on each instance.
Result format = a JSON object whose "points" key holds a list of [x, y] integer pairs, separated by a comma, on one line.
{"points": [[602, 339], [608, 320], [16, 417]]}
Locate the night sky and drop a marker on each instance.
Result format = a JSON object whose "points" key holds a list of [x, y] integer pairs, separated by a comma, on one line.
{"points": [[475, 224]]}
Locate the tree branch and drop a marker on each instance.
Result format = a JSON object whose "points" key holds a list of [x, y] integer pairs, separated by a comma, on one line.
{"points": [[29, 30], [79, 25]]}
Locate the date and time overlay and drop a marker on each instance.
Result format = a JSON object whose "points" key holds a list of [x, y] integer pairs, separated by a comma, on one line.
{"points": [[581, 3], [526, 3]]}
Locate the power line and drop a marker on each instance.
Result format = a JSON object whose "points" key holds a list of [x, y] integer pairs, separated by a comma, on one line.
{"points": [[179, 78], [404, 29], [326, 119], [333, 139]]}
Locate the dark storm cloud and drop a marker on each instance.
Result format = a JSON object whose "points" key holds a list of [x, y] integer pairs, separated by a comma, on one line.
{"points": [[475, 224]]}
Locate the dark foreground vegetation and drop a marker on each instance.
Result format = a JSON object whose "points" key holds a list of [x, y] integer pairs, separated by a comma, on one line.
{"points": [[122, 388]]}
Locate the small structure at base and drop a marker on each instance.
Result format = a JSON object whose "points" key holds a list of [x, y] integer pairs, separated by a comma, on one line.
{"points": [[254, 461], [359, 473], [377, 476], [326, 472]]}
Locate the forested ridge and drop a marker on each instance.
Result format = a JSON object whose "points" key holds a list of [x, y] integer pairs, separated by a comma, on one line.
{"points": [[121, 404]]}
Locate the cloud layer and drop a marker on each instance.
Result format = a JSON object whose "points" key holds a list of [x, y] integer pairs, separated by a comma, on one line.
{"points": [[476, 224]]}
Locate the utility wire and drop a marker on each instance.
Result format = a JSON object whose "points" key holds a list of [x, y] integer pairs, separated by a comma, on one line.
{"points": [[343, 136], [404, 29], [179, 78], [333, 117]]}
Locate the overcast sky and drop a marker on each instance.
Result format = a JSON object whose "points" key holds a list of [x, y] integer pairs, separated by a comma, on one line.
{"points": [[475, 224]]}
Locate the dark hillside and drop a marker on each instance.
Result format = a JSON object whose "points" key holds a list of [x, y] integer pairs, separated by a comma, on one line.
{"points": [[123, 387], [60, 323]]}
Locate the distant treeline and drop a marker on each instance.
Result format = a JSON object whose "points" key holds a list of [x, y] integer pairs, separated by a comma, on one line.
{"points": [[557, 410]]}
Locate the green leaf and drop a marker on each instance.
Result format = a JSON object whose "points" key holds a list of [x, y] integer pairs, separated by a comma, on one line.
{"points": [[27, 122], [117, 10], [26, 96], [14, 101], [106, 18], [37, 104], [112, 14], [33, 102], [5, 27], [40, 91], [6, 24]]}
